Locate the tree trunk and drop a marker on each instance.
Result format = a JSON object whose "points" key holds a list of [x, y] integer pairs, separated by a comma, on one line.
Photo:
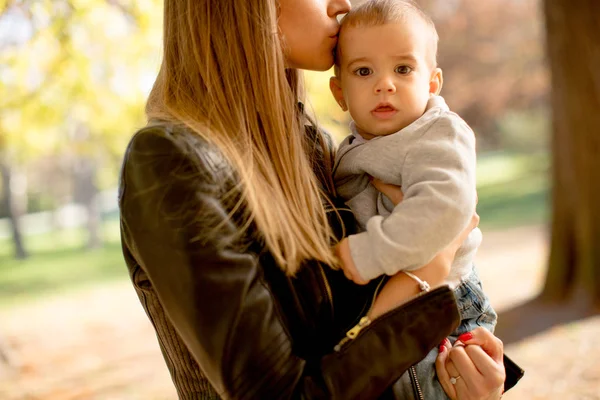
{"points": [[573, 40], [86, 193], [10, 204], [94, 222]]}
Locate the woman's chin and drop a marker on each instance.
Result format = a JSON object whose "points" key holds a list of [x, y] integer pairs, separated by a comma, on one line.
{"points": [[323, 63]]}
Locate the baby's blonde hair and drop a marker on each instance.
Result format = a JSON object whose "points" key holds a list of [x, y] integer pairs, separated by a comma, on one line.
{"points": [[382, 12]]}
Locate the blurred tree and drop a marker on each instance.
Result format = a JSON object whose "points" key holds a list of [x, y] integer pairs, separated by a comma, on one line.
{"points": [[573, 37], [23, 108], [73, 66], [492, 56], [9, 203]]}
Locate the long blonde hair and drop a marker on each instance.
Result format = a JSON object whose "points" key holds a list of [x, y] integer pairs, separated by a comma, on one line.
{"points": [[223, 75]]}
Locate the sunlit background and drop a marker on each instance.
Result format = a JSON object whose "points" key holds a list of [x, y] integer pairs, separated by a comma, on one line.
{"points": [[74, 75]]}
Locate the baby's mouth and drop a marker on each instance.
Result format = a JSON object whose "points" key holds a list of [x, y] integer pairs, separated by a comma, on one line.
{"points": [[384, 111], [384, 108]]}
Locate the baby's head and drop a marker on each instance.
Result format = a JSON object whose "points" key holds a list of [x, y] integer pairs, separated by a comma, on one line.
{"points": [[386, 65]]}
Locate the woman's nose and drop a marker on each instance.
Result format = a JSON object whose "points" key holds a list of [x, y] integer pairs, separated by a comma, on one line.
{"points": [[338, 7]]}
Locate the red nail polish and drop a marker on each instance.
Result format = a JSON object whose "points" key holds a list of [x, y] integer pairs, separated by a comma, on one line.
{"points": [[446, 342], [442, 348], [465, 337]]}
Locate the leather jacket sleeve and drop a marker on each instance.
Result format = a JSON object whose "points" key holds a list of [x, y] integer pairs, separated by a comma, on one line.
{"points": [[176, 224]]}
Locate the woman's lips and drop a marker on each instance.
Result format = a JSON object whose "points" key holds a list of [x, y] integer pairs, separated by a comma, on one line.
{"points": [[384, 112]]}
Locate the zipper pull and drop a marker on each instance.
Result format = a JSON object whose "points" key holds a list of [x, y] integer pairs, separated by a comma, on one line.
{"points": [[353, 333]]}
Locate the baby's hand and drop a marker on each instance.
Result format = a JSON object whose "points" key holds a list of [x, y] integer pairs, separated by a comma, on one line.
{"points": [[342, 251]]}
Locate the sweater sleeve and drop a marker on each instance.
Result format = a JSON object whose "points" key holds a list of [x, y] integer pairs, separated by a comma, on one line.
{"points": [[438, 181]]}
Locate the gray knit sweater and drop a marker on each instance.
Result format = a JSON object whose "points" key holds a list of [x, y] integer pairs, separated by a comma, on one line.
{"points": [[433, 159]]}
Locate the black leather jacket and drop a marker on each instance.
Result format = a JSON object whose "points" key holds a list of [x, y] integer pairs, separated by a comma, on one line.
{"points": [[229, 322]]}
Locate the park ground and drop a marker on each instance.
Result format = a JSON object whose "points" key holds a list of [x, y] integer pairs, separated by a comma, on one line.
{"points": [[96, 343]]}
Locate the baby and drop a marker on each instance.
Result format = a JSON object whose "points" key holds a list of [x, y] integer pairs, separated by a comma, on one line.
{"points": [[403, 133]]}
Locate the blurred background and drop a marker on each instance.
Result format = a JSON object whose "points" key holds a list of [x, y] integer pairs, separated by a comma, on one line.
{"points": [[74, 75]]}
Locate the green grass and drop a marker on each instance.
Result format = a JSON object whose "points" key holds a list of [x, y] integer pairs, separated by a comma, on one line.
{"points": [[512, 192], [59, 261]]}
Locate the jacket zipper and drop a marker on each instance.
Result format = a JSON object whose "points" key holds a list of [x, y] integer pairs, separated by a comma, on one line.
{"points": [[327, 288], [415, 383], [362, 323]]}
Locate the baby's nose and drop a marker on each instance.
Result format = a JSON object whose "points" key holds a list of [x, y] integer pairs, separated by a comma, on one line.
{"points": [[385, 85]]}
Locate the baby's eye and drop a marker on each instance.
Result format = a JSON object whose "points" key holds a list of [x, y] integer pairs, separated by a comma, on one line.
{"points": [[362, 71], [403, 69]]}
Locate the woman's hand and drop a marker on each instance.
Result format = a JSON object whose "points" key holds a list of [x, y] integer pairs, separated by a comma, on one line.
{"points": [[393, 192], [474, 364], [447, 255], [342, 251]]}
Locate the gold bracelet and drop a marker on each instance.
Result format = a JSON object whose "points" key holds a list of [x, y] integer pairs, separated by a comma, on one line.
{"points": [[423, 285]]}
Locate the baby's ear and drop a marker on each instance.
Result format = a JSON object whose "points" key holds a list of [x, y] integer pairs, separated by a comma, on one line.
{"points": [[336, 90], [436, 82]]}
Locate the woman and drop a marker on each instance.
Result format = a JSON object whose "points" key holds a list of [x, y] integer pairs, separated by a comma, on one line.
{"points": [[228, 220]]}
